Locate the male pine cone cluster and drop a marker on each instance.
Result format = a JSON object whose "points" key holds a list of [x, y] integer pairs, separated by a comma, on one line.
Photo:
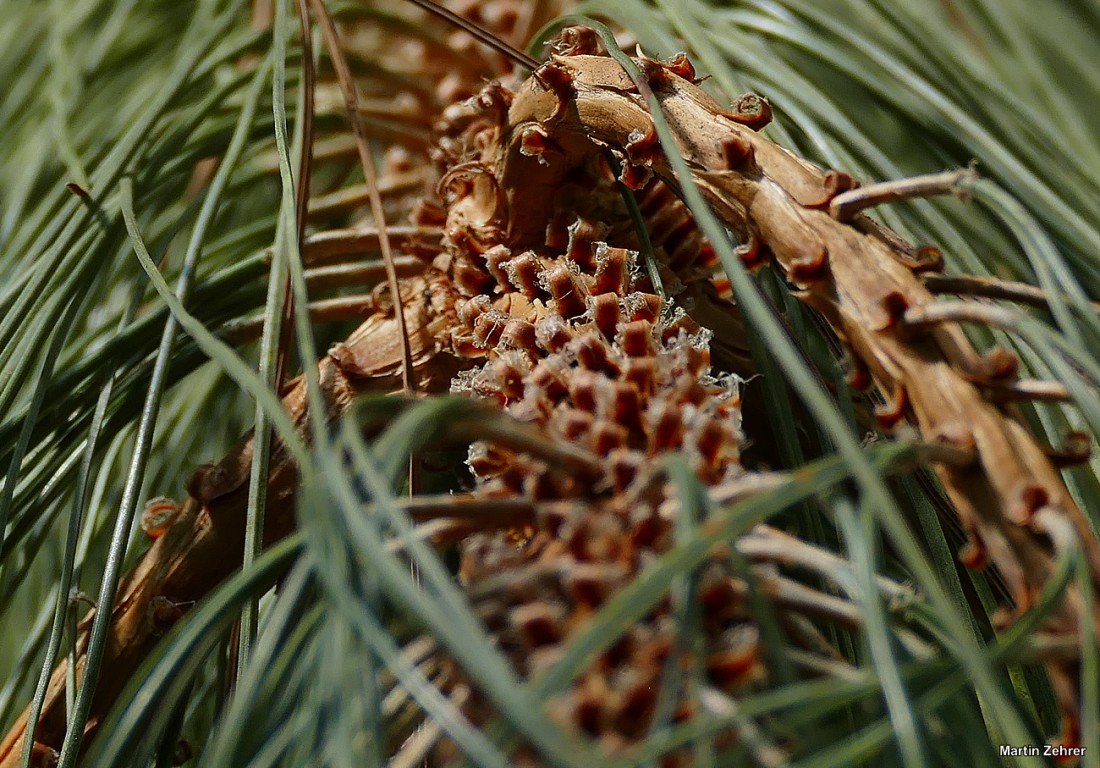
{"points": [[578, 340]]}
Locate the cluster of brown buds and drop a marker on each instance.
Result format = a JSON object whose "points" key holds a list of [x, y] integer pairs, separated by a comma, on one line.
{"points": [[575, 338]]}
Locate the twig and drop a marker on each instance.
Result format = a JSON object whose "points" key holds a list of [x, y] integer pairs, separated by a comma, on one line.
{"points": [[364, 273], [359, 194], [929, 315], [360, 240], [846, 205], [992, 288], [327, 310], [1035, 390], [831, 665], [798, 598], [765, 543]]}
